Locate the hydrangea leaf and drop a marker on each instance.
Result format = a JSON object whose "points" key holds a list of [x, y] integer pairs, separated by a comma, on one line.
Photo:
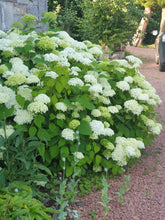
{"points": [[64, 151], [84, 128], [85, 102]]}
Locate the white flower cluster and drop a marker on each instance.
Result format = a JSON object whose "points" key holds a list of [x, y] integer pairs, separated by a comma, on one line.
{"points": [[39, 104], [155, 127], [134, 60], [68, 134], [75, 82], [78, 155], [51, 74], [23, 117], [99, 129], [61, 106], [123, 85], [133, 106], [126, 147], [25, 92], [138, 94]]}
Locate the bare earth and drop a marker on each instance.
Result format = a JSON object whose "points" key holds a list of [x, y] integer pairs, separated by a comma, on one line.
{"points": [[145, 200]]}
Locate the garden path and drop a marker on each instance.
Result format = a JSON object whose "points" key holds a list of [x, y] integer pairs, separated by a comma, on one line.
{"points": [[145, 200]]}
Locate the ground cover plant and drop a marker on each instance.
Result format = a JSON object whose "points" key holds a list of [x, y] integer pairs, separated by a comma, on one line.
{"points": [[63, 110]]}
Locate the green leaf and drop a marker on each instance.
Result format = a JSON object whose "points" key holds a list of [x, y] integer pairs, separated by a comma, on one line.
{"points": [[38, 120], [5, 112], [54, 99], [20, 100], [41, 149], [2, 178], [98, 159], [32, 131], [61, 142], [2, 141], [84, 128], [43, 134], [88, 147], [96, 148], [54, 151], [52, 117], [27, 48], [69, 104], [59, 87], [115, 170], [64, 152], [85, 102], [44, 168], [69, 171]]}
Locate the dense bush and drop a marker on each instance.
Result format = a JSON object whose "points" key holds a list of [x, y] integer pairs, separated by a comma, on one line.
{"points": [[69, 106], [112, 23]]}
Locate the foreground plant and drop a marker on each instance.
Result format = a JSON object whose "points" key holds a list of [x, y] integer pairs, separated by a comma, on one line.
{"points": [[105, 197], [17, 202]]}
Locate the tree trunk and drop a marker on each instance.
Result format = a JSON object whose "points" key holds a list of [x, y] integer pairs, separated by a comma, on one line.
{"points": [[162, 23], [138, 37]]}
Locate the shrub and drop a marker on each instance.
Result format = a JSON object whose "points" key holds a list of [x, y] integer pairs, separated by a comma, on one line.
{"points": [[57, 90]]}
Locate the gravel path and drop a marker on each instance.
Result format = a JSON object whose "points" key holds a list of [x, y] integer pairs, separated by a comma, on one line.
{"points": [[145, 200]]}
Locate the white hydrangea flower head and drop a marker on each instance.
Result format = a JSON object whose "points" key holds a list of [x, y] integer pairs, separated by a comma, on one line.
{"points": [[2, 34], [16, 79], [78, 155], [133, 106], [97, 88], [88, 78], [75, 68], [4, 97], [60, 116], [113, 109], [68, 134], [96, 113], [97, 127], [61, 106], [37, 107], [119, 155], [23, 117], [96, 51], [32, 79], [51, 57], [51, 74], [109, 132], [134, 60], [123, 85], [42, 98], [109, 92], [75, 82], [128, 79], [124, 63], [25, 92]]}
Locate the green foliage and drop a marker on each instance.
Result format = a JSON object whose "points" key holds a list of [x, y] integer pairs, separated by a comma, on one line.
{"points": [[102, 23], [19, 159], [154, 24], [124, 188], [17, 202], [105, 197], [74, 103], [151, 3]]}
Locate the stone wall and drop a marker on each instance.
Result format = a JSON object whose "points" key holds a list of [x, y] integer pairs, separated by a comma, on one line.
{"points": [[13, 10]]}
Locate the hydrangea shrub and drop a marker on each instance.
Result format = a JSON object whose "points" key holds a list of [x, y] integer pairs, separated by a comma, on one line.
{"points": [[78, 105]]}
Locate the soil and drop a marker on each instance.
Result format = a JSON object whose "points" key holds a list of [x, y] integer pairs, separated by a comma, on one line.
{"points": [[145, 199]]}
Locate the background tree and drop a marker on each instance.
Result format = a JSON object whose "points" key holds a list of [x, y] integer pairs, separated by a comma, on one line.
{"points": [[110, 22], [149, 5]]}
